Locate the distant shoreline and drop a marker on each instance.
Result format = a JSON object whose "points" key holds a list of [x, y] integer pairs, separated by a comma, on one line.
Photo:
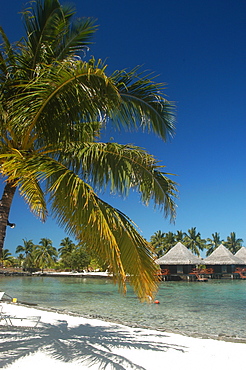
{"points": [[93, 274], [73, 274]]}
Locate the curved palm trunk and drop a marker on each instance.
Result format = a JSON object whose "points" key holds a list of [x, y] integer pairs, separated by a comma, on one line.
{"points": [[5, 205]]}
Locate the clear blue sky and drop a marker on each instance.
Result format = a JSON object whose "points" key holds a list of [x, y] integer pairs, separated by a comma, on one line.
{"points": [[198, 48]]}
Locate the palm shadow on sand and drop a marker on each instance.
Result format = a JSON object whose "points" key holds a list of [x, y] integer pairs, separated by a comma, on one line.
{"points": [[84, 343]]}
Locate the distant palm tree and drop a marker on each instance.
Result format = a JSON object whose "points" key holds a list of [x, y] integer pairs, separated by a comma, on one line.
{"points": [[180, 235], [67, 247], [213, 243], [6, 256], [66, 251], [169, 241], [27, 248], [157, 241], [20, 259], [193, 241], [45, 254], [232, 243]]}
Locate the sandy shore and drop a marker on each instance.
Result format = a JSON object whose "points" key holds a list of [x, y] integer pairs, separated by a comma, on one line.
{"points": [[74, 342]]}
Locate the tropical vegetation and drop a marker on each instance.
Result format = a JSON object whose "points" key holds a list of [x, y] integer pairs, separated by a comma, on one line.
{"points": [[233, 243], [54, 106], [162, 242], [44, 255], [6, 258], [193, 241], [26, 259], [72, 256], [75, 257], [157, 241], [213, 243]]}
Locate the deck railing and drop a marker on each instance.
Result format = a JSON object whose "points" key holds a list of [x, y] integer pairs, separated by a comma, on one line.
{"points": [[198, 271]]}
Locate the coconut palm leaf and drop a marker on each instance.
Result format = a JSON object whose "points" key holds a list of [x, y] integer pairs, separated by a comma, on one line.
{"points": [[16, 168], [135, 169], [7, 55], [112, 235], [109, 232], [143, 101], [82, 94], [76, 39], [51, 35], [82, 213], [67, 96]]}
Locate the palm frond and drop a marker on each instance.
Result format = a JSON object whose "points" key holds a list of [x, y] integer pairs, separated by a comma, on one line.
{"points": [[7, 55], [42, 23], [122, 167], [109, 232], [64, 97], [20, 170], [76, 39], [143, 103], [51, 35]]}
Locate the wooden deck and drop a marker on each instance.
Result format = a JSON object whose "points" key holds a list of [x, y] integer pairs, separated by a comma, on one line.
{"points": [[201, 275]]}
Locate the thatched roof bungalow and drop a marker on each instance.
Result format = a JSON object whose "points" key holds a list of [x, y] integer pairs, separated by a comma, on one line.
{"points": [[241, 254], [179, 260], [222, 260]]}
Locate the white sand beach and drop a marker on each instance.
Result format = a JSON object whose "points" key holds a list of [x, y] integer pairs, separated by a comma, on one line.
{"points": [[68, 342]]}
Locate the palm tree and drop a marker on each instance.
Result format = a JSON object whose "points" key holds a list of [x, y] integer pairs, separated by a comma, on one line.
{"points": [[169, 241], [6, 257], [67, 247], [54, 106], [156, 241], [193, 241], [232, 243], [180, 235], [27, 248], [45, 254], [20, 259], [66, 250], [213, 243]]}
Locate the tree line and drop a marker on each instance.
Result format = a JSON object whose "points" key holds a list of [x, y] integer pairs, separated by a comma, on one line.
{"points": [[69, 256], [163, 242]]}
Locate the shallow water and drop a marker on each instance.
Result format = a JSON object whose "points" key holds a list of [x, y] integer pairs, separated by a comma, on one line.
{"points": [[214, 308]]}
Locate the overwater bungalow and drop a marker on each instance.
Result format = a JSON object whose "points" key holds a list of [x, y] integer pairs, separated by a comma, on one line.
{"points": [[222, 261], [178, 263], [240, 270], [242, 255]]}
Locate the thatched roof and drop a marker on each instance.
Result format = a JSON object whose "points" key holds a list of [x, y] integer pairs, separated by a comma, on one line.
{"points": [[222, 256], [241, 254], [179, 255]]}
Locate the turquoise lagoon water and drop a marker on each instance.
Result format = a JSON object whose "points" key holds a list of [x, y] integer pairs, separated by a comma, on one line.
{"points": [[215, 308]]}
